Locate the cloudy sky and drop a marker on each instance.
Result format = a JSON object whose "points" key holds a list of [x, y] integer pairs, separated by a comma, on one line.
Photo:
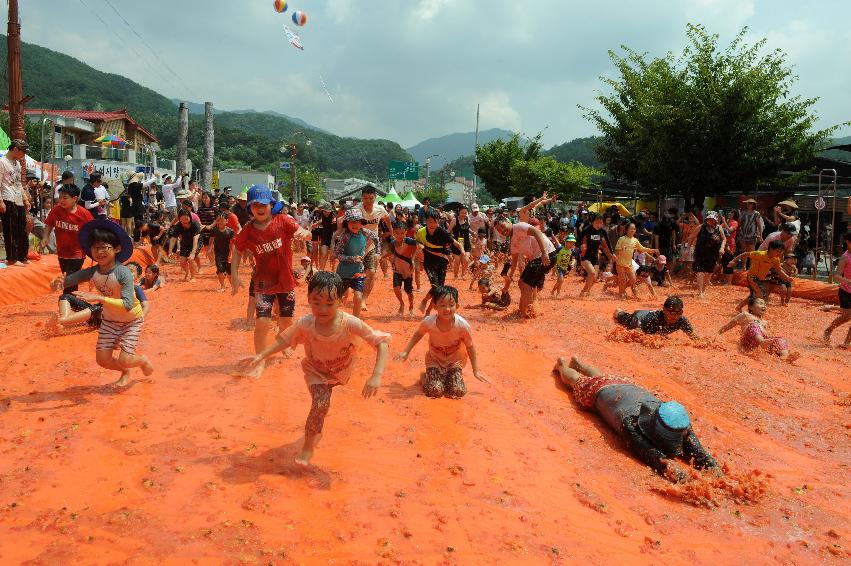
{"points": [[408, 70]]}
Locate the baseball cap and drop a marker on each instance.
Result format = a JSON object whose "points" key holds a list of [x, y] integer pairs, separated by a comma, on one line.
{"points": [[475, 207], [259, 194]]}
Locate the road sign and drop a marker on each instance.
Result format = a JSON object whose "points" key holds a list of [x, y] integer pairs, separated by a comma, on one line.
{"points": [[820, 204], [286, 165], [403, 171], [214, 182]]}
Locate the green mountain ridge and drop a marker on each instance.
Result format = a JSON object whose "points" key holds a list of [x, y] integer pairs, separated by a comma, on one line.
{"points": [[243, 139]]}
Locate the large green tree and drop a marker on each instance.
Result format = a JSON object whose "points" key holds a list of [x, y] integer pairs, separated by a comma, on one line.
{"points": [[514, 168], [709, 121]]}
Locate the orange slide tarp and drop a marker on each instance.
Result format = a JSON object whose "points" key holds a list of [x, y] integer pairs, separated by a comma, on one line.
{"points": [[805, 289], [21, 284]]}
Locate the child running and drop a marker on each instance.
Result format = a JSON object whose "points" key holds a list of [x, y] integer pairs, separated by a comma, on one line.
{"points": [[328, 335], [764, 266], [222, 237], [564, 257], [436, 243], [65, 220], [754, 332], [351, 248], [403, 249], [445, 359], [106, 243], [843, 275], [592, 240], [624, 250], [268, 238], [187, 231]]}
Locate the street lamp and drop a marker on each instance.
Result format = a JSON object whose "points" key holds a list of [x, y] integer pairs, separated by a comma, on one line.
{"points": [[428, 166]]}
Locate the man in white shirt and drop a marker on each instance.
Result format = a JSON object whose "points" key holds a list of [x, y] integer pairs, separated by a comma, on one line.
{"points": [[372, 217], [14, 203], [102, 198], [67, 179], [169, 196], [540, 254]]}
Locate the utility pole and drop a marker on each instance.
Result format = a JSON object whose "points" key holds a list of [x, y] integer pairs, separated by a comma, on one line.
{"points": [[474, 155], [16, 85], [207, 166], [182, 136], [293, 178]]}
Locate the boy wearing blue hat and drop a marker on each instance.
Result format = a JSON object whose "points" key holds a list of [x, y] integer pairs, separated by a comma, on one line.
{"points": [[269, 239], [655, 432], [109, 245]]}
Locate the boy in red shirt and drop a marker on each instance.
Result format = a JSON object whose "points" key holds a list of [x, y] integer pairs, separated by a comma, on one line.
{"points": [[269, 239], [66, 219]]}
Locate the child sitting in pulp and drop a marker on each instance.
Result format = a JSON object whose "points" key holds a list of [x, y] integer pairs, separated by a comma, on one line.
{"points": [[328, 335], [754, 332], [109, 245], [491, 299], [445, 358]]}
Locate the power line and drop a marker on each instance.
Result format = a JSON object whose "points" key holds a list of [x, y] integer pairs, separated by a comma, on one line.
{"points": [[151, 49], [121, 39]]}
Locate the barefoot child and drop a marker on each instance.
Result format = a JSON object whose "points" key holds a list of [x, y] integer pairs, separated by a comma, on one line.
{"points": [[529, 243], [445, 359], [328, 335], [222, 237], [73, 310], [592, 240], [624, 250], [152, 279], [403, 250], [187, 232], [491, 299], [564, 257], [352, 246], [754, 332], [437, 245], [65, 220], [843, 275], [764, 264], [109, 245], [268, 238]]}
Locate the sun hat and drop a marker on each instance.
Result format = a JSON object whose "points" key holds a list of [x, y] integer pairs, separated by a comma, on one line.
{"points": [[104, 224], [788, 202], [354, 214], [136, 177], [749, 200], [712, 215], [665, 424]]}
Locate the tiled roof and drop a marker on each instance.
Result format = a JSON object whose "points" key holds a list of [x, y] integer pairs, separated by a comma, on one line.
{"points": [[96, 115]]}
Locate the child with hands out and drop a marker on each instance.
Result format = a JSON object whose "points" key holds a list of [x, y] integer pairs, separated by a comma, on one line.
{"points": [[445, 358], [328, 335]]}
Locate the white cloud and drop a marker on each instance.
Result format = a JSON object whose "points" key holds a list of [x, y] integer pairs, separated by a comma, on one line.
{"points": [[496, 112], [428, 9]]}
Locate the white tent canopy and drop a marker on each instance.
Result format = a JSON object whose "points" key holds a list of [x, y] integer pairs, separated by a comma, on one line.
{"points": [[409, 200]]}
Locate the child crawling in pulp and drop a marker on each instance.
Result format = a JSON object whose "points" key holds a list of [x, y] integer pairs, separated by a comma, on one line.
{"points": [[754, 334], [328, 335]]}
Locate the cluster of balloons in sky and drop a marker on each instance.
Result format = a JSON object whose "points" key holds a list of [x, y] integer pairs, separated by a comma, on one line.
{"points": [[299, 17]]}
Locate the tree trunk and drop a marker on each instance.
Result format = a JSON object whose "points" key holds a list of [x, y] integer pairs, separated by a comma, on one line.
{"points": [[207, 166], [182, 137]]}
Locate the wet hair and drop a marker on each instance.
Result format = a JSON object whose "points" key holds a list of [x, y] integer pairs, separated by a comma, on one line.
{"points": [[776, 245], [188, 203], [183, 213], [444, 291], [482, 231], [594, 216], [135, 267], [674, 302], [102, 236], [398, 225], [485, 282], [367, 190], [155, 269], [224, 204], [326, 282], [753, 299], [224, 215], [433, 214]]}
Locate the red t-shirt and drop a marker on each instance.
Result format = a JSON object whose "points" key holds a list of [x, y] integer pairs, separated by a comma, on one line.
{"points": [[233, 223], [66, 225], [272, 253]]}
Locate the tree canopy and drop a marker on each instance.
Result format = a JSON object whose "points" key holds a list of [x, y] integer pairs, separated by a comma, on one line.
{"points": [[709, 121], [517, 168]]}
